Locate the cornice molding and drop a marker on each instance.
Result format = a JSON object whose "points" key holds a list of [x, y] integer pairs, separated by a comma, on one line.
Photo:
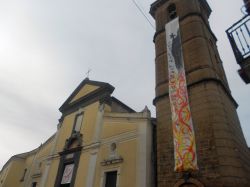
{"points": [[218, 81]]}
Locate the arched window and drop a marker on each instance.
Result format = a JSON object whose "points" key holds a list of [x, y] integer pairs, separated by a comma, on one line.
{"points": [[172, 11]]}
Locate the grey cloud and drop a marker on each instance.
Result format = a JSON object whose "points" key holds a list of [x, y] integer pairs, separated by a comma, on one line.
{"points": [[47, 47]]}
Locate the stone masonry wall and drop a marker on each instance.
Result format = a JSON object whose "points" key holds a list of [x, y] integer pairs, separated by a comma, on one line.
{"points": [[223, 155]]}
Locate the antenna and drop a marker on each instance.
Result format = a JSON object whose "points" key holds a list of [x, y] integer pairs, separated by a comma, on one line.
{"points": [[143, 13]]}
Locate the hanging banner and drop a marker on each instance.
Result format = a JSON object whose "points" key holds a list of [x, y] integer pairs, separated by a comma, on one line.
{"points": [[67, 174], [183, 132]]}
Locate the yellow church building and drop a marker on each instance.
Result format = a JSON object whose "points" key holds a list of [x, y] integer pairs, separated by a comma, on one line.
{"points": [[100, 142]]}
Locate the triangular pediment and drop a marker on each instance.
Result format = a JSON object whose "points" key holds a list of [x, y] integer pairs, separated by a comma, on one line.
{"points": [[87, 92]]}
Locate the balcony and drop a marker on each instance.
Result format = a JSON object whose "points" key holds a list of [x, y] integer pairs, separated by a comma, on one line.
{"points": [[239, 37]]}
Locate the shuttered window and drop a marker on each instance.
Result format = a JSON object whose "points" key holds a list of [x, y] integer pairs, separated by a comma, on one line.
{"points": [[78, 122]]}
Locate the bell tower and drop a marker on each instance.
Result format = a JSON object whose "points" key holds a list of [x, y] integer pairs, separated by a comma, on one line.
{"points": [[223, 156]]}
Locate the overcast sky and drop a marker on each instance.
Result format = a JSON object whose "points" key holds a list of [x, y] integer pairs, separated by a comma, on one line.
{"points": [[48, 46]]}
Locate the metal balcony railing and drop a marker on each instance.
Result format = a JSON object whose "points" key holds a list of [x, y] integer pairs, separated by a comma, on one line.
{"points": [[239, 37]]}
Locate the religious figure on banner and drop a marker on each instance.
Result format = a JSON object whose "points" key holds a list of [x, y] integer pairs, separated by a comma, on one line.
{"points": [[67, 174], [183, 132]]}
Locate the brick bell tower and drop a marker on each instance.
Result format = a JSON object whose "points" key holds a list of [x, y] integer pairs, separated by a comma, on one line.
{"points": [[222, 153]]}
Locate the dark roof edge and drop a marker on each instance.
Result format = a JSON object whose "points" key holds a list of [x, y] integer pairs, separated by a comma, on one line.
{"points": [[122, 104], [102, 85], [26, 154]]}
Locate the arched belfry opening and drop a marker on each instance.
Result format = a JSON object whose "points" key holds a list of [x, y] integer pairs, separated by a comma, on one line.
{"points": [[172, 12]]}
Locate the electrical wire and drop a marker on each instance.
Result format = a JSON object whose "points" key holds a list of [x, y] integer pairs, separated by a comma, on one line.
{"points": [[142, 12]]}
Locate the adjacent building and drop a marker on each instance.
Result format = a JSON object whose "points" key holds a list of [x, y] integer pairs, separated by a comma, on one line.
{"points": [[239, 37]]}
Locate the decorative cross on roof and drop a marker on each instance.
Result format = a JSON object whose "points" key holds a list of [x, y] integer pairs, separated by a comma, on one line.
{"points": [[88, 72]]}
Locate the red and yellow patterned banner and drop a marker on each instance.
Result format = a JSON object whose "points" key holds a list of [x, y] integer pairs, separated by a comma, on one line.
{"points": [[183, 132]]}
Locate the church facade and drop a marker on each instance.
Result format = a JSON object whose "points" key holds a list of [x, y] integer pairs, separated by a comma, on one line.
{"points": [[101, 142]]}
